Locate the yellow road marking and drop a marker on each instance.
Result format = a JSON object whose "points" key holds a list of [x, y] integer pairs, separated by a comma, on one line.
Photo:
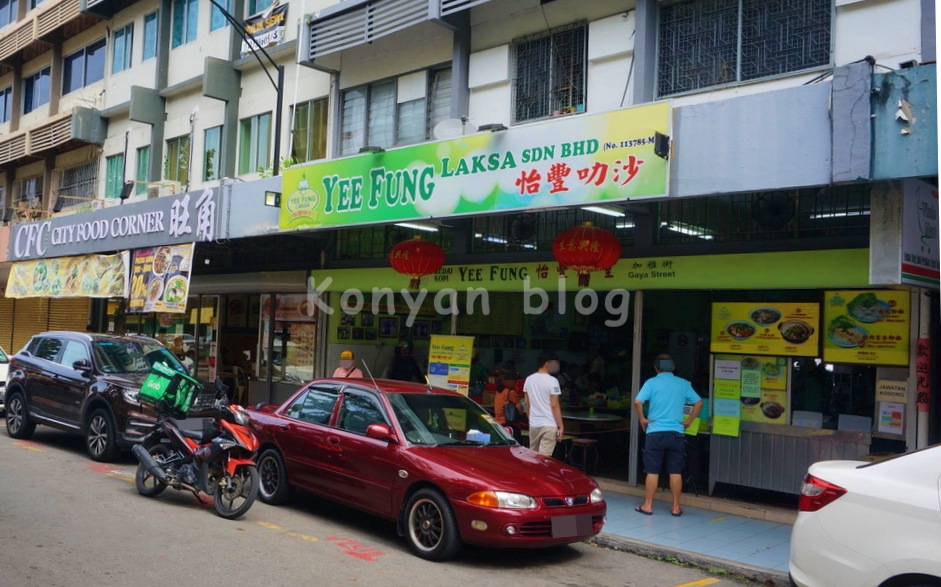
{"points": [[287, 532], [700, 583], [120, 476]]}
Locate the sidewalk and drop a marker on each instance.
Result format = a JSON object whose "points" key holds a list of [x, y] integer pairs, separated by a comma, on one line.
{"points": [[742, 539]]}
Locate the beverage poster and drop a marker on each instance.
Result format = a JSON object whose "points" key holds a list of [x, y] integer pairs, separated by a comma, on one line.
{"points": [[449, 359], [867, 327]]}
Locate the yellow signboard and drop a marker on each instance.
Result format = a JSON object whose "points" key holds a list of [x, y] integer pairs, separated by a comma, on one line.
{"points": [[867, 327], [82, 276], [761, 382], [449, 360], [788, 329]]}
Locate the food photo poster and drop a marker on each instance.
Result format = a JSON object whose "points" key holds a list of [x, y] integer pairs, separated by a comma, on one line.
{"points": [[160, 278]]}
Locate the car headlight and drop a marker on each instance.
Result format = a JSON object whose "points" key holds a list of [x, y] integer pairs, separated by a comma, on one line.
{"points": [[130, 394], [502, 499], [597, 496]]}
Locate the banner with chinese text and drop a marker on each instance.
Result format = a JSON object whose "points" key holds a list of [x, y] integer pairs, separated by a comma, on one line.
{"points": [[160, 279], [579, 159], [85, 276]]}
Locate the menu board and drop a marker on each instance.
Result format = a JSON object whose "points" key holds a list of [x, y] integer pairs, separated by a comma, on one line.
{"points": [[160, 279], [788, 329], [867, 327], [449, 359], [761, 382]]}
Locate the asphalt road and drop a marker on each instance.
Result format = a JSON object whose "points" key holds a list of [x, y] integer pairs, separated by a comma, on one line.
{"points": [[68, 521]]}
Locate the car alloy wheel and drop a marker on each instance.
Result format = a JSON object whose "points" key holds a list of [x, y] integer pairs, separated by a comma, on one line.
{"points": [[430, 526], [274, 487], [100, 436], [18, 423]]}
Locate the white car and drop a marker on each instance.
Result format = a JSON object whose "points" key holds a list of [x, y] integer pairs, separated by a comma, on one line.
{"points": [[4, 368], [870, 524]]}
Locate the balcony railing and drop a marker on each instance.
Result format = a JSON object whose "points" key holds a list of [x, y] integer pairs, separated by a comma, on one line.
{"points": [[82, 125], [32, 33]]}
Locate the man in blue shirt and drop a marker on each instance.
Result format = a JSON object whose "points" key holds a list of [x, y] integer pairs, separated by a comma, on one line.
{"points": [[665, 425]]}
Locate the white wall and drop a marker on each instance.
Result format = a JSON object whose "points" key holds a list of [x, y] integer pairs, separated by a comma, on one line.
{"points": [[889, 30], [141, 73]]}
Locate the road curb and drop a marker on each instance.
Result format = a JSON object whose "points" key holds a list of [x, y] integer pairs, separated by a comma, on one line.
{"points": [[766, 577]]}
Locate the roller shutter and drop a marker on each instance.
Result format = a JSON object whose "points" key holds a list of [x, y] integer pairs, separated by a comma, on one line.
{"points": [[6, 324], [30, 317], [69, 313]]}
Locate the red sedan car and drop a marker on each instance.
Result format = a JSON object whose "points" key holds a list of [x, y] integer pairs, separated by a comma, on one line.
{"points": [[430, 459]]}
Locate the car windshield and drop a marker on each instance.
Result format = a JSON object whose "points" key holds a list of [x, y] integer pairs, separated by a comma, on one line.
{"points": [[133, 356], [446, 420]]}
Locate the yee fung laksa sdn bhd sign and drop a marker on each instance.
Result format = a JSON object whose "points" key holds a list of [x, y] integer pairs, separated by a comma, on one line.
{"points": [[576, 160]]}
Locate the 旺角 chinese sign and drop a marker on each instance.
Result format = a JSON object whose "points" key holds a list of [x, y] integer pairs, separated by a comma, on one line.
{"points": [[449, 361], [168, 220], [578, 160], [866, 327], [160, 279], [86, 276], [767, 329]]}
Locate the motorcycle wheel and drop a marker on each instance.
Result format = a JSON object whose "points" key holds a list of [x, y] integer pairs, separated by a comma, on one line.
{"points": [[147, 484], [234, 495]]}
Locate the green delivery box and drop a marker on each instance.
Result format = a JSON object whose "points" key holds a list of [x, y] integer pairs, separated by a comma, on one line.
{"points": [[169, 390]]}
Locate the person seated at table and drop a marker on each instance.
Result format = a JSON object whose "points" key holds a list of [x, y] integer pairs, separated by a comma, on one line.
{"points": [[568, 383], [507, 394]]}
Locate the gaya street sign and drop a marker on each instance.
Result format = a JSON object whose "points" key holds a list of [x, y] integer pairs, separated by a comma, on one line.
{"points": [[168, 220], [579, 159]]}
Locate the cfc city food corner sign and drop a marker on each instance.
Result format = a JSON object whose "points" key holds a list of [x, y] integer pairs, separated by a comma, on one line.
{"points": [[580, 159]]}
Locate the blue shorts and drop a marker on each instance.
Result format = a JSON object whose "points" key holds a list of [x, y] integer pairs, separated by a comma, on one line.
{"points": [[666, 452]]}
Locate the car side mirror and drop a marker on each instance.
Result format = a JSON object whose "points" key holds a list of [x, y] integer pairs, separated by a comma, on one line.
{"points": [[83, 366], [381, 432]]}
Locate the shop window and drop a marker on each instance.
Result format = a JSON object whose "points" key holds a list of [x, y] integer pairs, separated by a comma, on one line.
{"points": [[185, 22], [217, 19], [707, 44], [290, 353], [6, 98], [8, 10], [531, 231], [550, 74], [375, 242], [381, 114], [150, 35], [255, 143], [36, 89], [212, 148], [256, 6], [835, 395], [78, 183], [121, 51], [176, 164], [84, 67], [143, 169], [114, 179], [309, 131]]}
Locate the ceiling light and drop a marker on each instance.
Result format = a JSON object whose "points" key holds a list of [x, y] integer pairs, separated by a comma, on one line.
{"points": [[418, 226], [606, 210], [624, 224], [688, 229], [839, 214]]}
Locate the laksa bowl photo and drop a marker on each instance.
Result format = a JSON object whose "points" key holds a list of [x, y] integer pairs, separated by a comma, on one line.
{"points": [[740, 329]]}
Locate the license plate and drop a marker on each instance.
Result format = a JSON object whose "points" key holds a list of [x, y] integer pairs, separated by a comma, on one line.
{"points": [[566, 526]]}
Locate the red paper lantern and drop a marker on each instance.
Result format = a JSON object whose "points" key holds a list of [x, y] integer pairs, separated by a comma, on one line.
{"points": [[415, 258], [586, 248]]}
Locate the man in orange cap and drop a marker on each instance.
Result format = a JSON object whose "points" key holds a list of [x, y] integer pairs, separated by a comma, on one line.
{"points": [[348, 368]]}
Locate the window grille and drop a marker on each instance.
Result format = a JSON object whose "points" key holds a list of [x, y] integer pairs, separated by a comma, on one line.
{"points": [[780, 215], [550, 74], [78, 183], [705, 43], [375, 242]]}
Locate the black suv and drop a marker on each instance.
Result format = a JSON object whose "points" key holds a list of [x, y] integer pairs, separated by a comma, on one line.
{"points": [[85, 383]]}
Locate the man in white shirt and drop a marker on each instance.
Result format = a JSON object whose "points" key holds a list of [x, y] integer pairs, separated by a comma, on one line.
{"points": [[542, 405]]}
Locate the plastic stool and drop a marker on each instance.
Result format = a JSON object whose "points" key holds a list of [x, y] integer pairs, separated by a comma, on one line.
{"points": [[584, 454]]}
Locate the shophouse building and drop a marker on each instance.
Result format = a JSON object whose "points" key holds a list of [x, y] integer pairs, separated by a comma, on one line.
{"points": [[769, 171]]}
